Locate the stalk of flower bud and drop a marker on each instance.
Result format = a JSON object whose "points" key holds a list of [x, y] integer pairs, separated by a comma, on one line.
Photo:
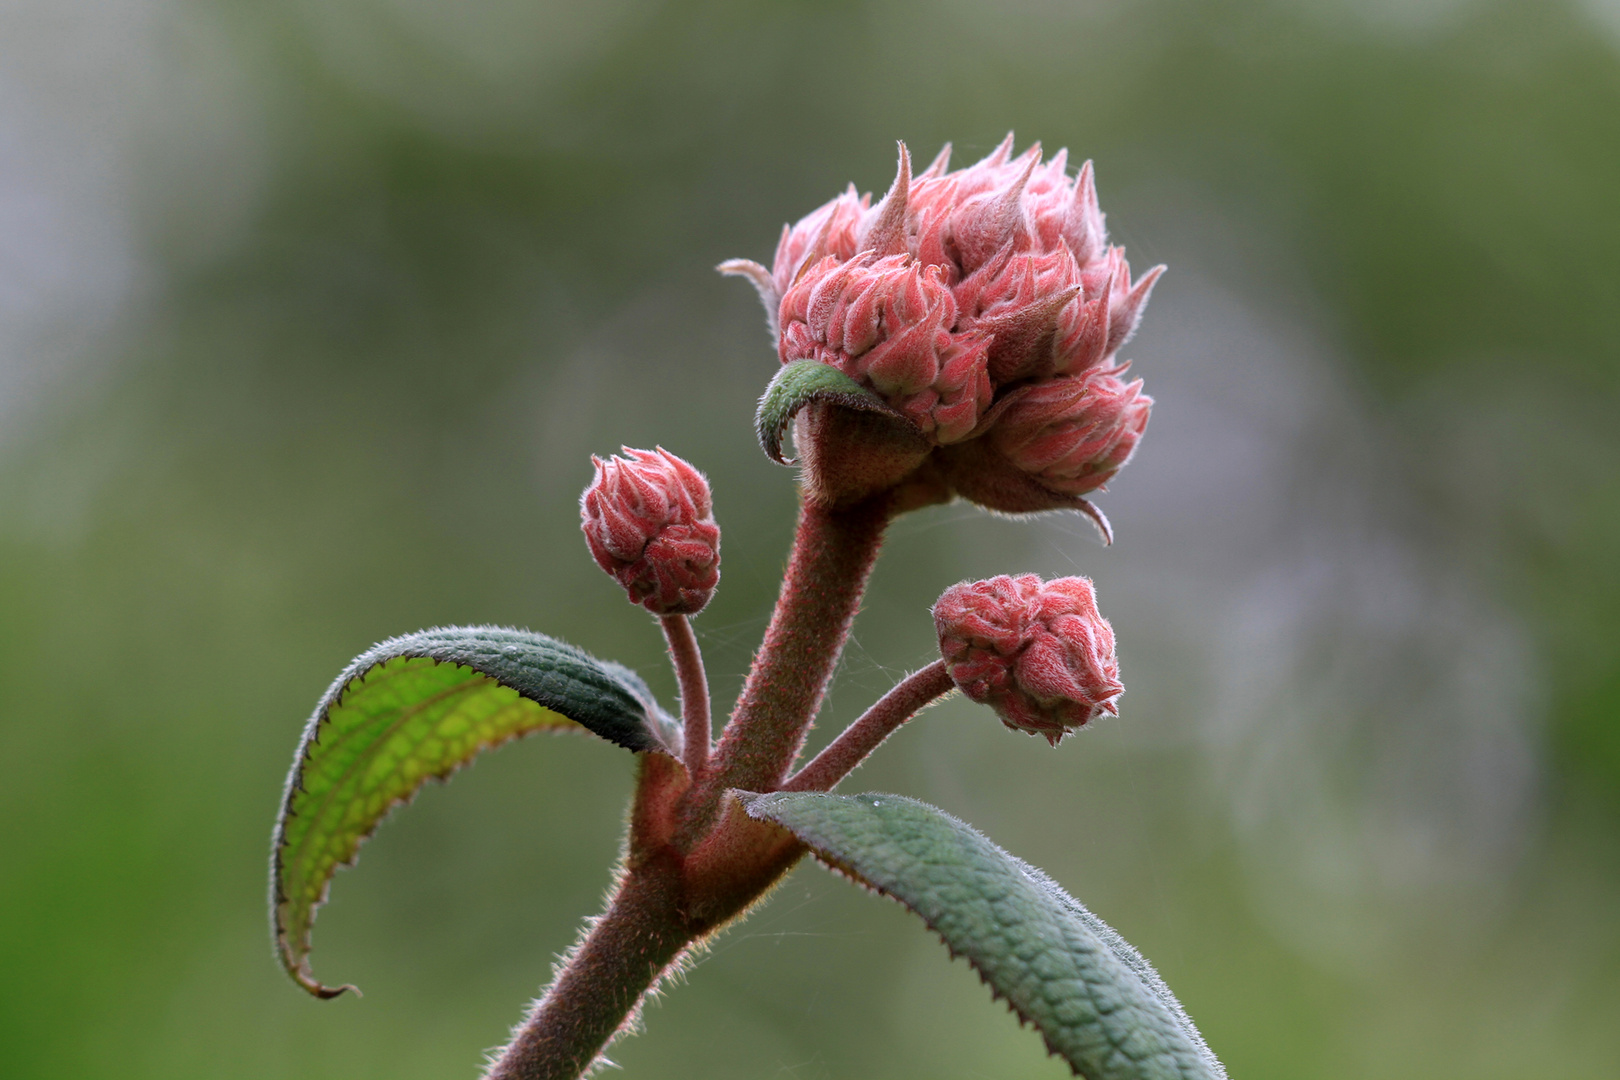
{"points": [[648, 520], [1038, 653]]}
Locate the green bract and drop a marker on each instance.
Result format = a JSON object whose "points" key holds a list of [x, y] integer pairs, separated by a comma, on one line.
{"points": [[800, 383]]}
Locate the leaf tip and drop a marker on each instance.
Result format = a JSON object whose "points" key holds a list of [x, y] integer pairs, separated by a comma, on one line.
{"points": [[318, 989]]}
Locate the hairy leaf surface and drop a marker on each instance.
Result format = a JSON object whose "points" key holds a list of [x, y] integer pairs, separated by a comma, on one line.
{"points": [[418, 707], [1096, 1001], [800, 383]]}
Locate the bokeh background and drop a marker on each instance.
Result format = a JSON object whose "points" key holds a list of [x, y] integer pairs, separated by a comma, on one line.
{"points": [[312, 312]]}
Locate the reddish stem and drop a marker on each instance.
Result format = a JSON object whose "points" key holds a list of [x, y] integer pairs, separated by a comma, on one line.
{"points": [[909, 697], [833, 553], [694, 686], [596, 994], [688, 871]]}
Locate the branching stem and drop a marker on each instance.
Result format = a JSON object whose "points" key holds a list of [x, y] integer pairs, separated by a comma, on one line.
{"points": [[912, 694], [673, 892], [694, 685]]}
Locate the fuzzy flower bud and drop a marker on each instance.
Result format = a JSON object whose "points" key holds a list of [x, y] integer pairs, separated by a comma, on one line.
{"points": [[1071, 434], [649, 521], [951, 293], [887, 322], [1036, 652]]}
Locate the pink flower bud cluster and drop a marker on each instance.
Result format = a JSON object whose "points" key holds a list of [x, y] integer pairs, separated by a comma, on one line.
{"points": [[649, 521], [1038, 653], [960, 291]]}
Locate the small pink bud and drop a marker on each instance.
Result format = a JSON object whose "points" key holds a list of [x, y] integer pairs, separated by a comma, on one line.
{"points": [[1036, 652], [648, 520], [983, 224], [1126, 299], [829, 229], [887, 323], [1074, 432]]}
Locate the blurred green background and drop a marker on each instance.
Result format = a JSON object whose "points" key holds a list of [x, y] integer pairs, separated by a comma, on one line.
{"points": [[311, 314]]}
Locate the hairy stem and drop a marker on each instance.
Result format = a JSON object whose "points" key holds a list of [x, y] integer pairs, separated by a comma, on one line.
{"points": [[909, 696], [596, 994], [833, 553], [694, 685], [663, 904]]}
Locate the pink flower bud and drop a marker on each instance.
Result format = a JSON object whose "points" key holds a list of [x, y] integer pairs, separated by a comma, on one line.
{"points": [[955, 290], [1074, 432], [648, 520], [1036, 652], [887, 323], [827, 230]]}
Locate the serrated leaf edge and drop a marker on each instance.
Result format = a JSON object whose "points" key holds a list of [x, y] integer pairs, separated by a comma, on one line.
{"points": [[1117, 945]]}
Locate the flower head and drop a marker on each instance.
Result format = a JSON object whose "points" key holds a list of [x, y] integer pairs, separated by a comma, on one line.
{"points": [[1038, 653], [648, 521], [953, 292]]}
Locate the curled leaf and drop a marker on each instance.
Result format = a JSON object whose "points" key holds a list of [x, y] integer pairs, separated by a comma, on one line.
{"points": [[802, 382], [419, 707]]}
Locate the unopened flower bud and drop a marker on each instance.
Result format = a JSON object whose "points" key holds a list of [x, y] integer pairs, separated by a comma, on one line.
{"points": [[1036, 652], [1072, 433], [954, 292], [887, 323], [649, 521]]}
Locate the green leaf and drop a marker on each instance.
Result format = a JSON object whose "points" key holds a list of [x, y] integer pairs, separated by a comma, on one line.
{"points": [[416, 708], [1096, 1001], [800, 383]]}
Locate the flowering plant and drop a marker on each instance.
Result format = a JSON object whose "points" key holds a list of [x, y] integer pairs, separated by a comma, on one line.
{"points": [[957, 339]]}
